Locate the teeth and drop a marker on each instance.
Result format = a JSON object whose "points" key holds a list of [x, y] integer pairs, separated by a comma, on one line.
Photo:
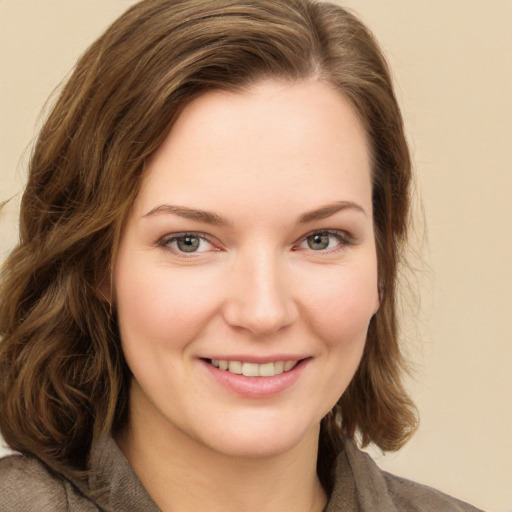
{"points": [[288, 365], [254, 369], [250, 369], [235, 367], [267, 370], [278, 367]]}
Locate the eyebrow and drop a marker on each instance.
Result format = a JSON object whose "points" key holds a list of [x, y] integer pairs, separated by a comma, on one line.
{"points": [[217, 220], [330, 209], [189, 213]]}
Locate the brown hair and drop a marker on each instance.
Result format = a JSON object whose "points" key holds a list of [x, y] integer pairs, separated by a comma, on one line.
{"points": [[63, 379]]}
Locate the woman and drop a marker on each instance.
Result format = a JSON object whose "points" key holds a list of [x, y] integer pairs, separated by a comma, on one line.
{"points": [[201, 310]]}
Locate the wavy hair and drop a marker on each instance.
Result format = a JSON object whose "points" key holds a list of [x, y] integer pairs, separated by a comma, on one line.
{"points": [[63, 378]]}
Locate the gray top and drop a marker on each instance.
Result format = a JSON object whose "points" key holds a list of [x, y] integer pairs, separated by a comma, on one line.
{"points": [[360, 486]]}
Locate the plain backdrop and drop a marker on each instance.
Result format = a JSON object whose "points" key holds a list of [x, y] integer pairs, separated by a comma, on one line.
{"points": [[452, 64]]}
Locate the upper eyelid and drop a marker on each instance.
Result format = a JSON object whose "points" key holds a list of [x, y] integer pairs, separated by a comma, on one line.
{"points": [[183, 234], [166, 240], [335, 232]]}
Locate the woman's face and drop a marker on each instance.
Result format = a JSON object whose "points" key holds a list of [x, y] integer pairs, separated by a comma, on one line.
{"points": [[249, 251]]}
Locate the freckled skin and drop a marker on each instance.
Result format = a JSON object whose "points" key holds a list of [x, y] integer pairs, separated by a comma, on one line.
{"points": [[260, 160]]}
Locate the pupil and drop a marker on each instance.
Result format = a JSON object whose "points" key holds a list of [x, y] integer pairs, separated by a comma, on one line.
{"points": [[318, 242], [188, 244]]}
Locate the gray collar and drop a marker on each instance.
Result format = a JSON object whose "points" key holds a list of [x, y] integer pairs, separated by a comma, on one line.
{"points": [[359, 484]]}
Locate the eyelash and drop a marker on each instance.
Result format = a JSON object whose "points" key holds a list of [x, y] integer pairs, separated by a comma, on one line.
{"points": [[343, 238], [166, 241]]}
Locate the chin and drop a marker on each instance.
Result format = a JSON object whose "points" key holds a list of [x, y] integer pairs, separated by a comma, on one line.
{"points": [[260, 438]]}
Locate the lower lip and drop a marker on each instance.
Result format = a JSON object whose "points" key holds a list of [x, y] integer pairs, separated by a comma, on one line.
{"points": [[256, 387]]}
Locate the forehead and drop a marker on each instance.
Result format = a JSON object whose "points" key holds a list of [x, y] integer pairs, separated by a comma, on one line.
{"points": [[279, 140]]}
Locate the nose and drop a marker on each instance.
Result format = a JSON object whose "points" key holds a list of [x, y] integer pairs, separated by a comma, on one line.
{"points": [[260, 297]]}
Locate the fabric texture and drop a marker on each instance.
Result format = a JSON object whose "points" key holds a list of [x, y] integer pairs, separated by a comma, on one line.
{"points": [[360, 486]]}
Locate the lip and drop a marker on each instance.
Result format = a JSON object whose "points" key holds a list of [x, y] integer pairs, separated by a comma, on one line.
{"points": [[257, 359], [256, 387]]}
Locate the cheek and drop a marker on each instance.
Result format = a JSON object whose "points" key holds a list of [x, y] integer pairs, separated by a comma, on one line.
{"points": [[341, 309], [339, 315], [158, 307]]}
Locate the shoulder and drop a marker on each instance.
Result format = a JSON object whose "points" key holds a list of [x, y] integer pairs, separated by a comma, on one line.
{"points": [[26, 485], [411, 496], [379, 490]]}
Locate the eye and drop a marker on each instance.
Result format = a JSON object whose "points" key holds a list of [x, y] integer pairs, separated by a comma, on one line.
{"points": [[187, 243], [324, 240]]}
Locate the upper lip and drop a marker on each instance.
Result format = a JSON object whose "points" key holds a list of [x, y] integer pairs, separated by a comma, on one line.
{"points": [[257, 359]]}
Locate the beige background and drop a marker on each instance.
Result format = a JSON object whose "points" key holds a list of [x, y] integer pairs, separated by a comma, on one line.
{"points": [[452, 62]]}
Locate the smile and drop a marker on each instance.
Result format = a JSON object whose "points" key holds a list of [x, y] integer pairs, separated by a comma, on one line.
{"points": [[254, 369]]}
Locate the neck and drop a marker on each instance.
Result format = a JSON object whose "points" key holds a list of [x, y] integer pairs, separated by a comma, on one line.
{"points": [[183, 475]]}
